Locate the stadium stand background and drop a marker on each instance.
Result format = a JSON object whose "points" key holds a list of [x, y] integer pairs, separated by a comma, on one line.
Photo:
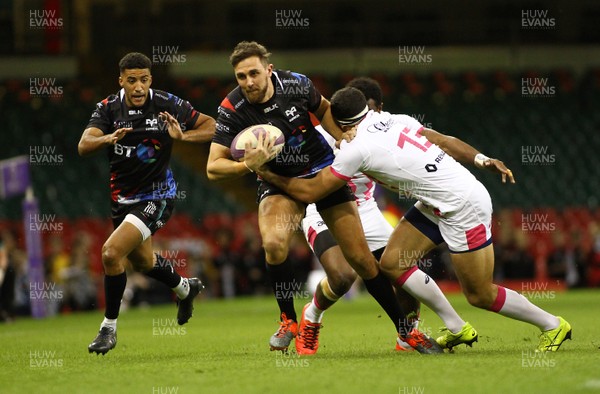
{"points": [[472, 88]]}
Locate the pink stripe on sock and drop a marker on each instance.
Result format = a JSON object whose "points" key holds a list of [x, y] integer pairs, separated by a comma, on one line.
{"points": [[316, 302], [500, 298], [404, 277]]}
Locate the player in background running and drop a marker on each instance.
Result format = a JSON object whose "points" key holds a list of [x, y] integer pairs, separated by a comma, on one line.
{"points": [[136, 128]]}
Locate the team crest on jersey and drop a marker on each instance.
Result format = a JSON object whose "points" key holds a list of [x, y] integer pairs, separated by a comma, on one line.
{"points": [[380, 126], [292, 114]]}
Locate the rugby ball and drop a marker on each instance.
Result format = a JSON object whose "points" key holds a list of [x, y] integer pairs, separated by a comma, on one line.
{"points": [[250, 134]]}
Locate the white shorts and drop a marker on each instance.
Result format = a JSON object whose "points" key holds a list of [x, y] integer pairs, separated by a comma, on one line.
{"points": [[470, 227], [377, 229]]}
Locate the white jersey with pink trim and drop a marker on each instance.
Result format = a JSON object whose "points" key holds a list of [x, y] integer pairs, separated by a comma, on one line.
{"points": [[362, 187], [377, 229], [390, 150]]}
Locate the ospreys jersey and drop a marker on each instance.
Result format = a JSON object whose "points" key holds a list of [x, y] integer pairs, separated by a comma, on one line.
{"points": [[290, 109], [139, 162]]}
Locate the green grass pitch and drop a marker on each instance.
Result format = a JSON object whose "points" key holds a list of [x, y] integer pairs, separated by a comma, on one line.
{"points": [[224, 349]]}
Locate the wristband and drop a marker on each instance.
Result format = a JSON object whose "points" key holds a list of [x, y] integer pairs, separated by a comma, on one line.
{"points": [[480, 159], [248, 167]]}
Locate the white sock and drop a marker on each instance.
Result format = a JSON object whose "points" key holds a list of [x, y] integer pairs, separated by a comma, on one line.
{"points": [[511, 304], [312, 313], [112, 323], [424, 288], [182, 289]]}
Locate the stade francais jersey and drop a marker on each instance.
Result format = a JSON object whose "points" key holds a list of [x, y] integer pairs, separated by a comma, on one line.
{"points": [[290, 109], [361, 185], [139, 162], [390, 150]]}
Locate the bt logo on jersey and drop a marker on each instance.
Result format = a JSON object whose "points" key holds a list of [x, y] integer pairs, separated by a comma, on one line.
{"points": [[123, 150]]}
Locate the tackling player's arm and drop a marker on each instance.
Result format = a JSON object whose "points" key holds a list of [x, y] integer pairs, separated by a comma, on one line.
{"points": [[307, 190], [93, 139], [465, 153], [221, 167]]}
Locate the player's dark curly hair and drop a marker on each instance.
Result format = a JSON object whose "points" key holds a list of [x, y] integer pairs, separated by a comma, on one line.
{"points": [[246, 49], [369, 87], [134, 60], [347, 103]]}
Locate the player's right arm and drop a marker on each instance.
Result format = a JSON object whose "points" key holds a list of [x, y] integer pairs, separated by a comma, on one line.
{"points": [[96, 135], [93, 139], [221, 167], [465, 153]]}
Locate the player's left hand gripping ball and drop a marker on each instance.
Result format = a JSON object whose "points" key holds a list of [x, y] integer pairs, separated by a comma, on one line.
{"points": [[257, 143]]}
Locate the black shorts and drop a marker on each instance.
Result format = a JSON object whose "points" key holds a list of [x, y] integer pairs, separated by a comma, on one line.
{"points": [[154, 213], [340, 196]]}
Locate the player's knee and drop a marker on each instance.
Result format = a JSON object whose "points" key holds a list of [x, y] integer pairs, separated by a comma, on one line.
{"points": [[393, 262], [479, 298], [276, 250], [110, 256], [341, 282]]}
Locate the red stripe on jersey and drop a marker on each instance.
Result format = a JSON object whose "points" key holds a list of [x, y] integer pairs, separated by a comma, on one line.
{"points": [[314, 120], [114, 194], [312, 234], [500, 299], [227, 104], [105, 101], [476, 236], [341, 176]]}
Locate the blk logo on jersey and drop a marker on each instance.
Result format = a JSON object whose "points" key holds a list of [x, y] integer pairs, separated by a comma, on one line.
{"points": [[271, 108]]}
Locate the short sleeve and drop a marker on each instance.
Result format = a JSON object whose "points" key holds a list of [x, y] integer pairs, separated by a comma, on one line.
{"points": [[228, 125], [409, 121], [314, 96], [100, 118], [186, 115]]}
